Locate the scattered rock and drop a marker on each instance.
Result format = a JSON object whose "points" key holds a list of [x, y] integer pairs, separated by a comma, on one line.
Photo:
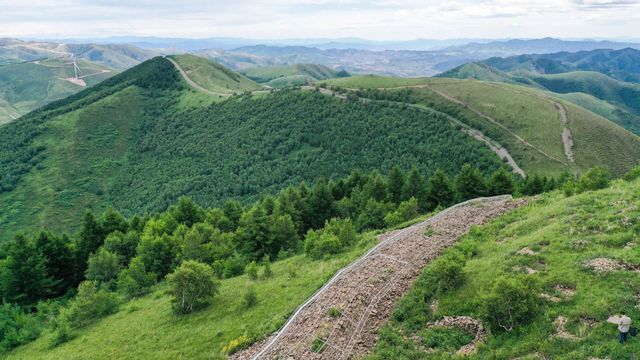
{"points": [[470, 326], [550, 298], [603, 265], [526, 251], [560, 323], [564, 290], [580, 244]]}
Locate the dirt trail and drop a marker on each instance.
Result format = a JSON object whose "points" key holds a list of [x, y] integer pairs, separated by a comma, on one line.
{"points": [[567, 141], [193, 84], [492, 120], [366, 291]]}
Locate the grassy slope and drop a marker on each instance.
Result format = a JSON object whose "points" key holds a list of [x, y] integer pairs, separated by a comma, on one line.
{"points": [[214, 77], [606, 220], [619, 115], [147, 329], [522, 110], [291, 75], [27, 86]]}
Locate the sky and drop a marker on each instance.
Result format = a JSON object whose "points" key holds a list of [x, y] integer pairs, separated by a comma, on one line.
{"points": [[292, 19]]}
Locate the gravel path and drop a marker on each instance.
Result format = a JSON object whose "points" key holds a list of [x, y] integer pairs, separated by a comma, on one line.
{"points": [[192, 83], [366, 291]]}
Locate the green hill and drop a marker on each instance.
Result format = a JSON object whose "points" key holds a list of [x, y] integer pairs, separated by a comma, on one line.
{"points": [[613, 99], [212, 76], [29, 85], [143, 138], [292, 75], [526, 121], [551, 250], [622, 64]]}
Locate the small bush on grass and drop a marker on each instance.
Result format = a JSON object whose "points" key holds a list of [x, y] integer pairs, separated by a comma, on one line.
{"points": [[252, 270], [447, 271], [89, 304], [267, 273], [17, 327], [633, 174], [250, 298], [332, 239], [594, 179], [135, 281], [512, 302], [193, 286]]}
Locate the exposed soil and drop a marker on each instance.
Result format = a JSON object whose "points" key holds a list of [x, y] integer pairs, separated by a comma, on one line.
{"points": [[470, 326], [526, 251], [566, 133], [561, 332], [606, 265], [368, 290]]}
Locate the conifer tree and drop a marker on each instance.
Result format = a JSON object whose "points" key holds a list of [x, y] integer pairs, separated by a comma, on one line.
{"points": [[415, 187], [396, 184], [439, 190], [501, 183], [470, 183], [25, 279]]}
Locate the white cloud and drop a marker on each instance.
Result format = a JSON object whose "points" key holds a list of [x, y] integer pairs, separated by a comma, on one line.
{"points": [[377, 19]]}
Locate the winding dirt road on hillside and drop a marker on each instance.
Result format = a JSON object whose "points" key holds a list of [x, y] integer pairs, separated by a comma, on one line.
{"points": [[193, 84], [494, 121], [367, 291]]}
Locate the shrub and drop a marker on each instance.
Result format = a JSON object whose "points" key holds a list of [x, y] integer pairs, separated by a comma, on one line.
{"points": [[594, 179], [89, 304], [513, 301], [63, 333], [102, 267], [448, 271], [318, 345], [250, 298], [135, 280], [252, 270], [633, 174], [233, 266], [407, 210], [192, 285], [332, 239], [17, 327]]}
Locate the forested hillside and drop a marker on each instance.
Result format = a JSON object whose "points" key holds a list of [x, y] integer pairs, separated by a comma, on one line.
{"points": [[141, 139], [527, 122]]}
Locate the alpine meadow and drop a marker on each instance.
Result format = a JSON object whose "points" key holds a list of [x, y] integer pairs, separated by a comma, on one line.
{"points": [[320, 180]]}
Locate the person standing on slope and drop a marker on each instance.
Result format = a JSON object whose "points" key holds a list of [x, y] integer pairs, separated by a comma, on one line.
{"points": [[624, 324]]}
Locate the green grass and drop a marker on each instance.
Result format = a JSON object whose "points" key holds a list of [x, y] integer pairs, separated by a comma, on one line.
{"points": [[374, 81], [564, 233], [29, 85], [214, 77], [146, 328], [290, 75]]}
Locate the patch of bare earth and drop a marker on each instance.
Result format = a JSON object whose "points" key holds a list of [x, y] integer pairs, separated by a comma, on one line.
{"points": [[607, 265], [561, 331], [367, 290], [468, 325], [526, 251]]}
